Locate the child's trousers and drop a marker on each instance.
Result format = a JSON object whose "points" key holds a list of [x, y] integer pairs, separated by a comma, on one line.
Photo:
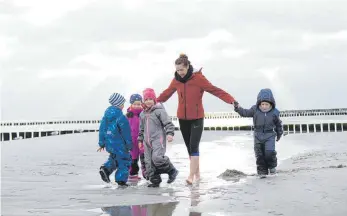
{"points": [[156, 162], [266, 155], [121, 165], [134, 168]]}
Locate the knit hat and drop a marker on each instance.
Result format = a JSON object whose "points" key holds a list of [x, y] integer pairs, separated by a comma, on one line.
{"points": [[116, 100], [135, 97], [149, 93]]}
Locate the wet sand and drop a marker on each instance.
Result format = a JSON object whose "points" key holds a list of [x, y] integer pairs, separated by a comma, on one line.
{"points": [[59, 176]]}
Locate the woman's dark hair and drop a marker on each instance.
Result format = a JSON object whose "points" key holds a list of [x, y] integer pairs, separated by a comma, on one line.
{"points": [[183, 59]]}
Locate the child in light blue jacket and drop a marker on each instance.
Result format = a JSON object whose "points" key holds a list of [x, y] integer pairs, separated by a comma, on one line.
{"points": [[115, 136]]}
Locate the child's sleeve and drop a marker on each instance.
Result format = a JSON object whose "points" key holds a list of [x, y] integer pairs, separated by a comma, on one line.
{"points": [[125, 131], [142, 129], [167, 123], [278, 123], [245, 112], [102, 132]]}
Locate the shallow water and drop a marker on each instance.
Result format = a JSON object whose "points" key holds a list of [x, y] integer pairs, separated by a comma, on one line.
{"points": [[59, 176]]}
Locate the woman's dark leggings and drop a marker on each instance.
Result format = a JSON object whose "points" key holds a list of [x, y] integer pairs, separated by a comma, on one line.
{"points": [[191, 131]]}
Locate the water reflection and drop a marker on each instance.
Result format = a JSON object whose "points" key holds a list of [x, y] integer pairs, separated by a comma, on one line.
{"points": [[158, 209], [195, 196], [194, 214]]}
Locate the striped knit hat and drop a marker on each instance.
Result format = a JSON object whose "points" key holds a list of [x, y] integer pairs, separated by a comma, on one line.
{"points": [[116, 100]]}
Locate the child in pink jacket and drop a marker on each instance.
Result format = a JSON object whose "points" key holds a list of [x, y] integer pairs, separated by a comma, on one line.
{"points": [[133, 113]]}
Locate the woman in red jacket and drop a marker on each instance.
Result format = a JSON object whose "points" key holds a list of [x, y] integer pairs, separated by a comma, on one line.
{"points": [[190, 85]]}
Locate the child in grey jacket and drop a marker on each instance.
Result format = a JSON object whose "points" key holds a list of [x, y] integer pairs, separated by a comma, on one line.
{"points": [[267, 129], [155, 129]]}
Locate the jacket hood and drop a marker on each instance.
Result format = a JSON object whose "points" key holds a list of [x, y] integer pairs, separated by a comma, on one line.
{"points": [[198, 69], [266, 95]]}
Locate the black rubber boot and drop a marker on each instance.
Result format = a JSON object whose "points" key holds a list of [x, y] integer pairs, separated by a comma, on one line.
{"points": [[172, 176], [134, 169], [122, 183], [153, 185], [273, 171], [105, 174]]}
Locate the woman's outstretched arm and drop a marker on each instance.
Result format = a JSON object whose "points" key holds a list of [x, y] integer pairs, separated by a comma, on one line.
{"points": [[220, 93], [167, 93]]}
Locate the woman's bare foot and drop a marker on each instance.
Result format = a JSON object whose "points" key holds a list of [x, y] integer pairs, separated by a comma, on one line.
{"points": [[190, 180], [194, 163], [197, 177], [197, 173]]}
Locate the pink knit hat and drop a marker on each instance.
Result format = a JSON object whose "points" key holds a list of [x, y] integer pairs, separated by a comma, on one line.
{"points": [[149, 93]]}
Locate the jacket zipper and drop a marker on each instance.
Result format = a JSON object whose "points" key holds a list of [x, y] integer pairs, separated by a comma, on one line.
{"points": [[161, 141], [185, 102], [264, 123], [119, 131], [147, 129], [197, 111]]}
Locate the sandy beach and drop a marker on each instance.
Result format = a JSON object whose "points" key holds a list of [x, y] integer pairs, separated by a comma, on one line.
{"points": [[59, 176]]}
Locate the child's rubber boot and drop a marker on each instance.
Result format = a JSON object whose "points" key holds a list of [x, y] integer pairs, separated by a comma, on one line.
{"points": [[172, 176], [154, 185], [272, 171], [261, 176], [105, 174], [134, 177], [144, 175], [143, 165], [122, 184]]}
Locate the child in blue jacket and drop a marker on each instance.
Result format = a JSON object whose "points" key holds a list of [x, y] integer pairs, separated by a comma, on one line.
{"points": [[115, 135], [267, 130]]}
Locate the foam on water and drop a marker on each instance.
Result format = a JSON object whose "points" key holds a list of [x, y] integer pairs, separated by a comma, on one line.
{"points": [[216, 156]]}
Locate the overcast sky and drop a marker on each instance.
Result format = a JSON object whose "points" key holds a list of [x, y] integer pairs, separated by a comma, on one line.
{"points": [[63, 58]]}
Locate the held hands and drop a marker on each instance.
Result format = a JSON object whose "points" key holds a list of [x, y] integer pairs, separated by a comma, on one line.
{"points": [[236, 104], [169, 138]]}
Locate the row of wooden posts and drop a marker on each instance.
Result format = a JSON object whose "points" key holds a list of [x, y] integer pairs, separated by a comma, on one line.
{"points": [[288, 129]]}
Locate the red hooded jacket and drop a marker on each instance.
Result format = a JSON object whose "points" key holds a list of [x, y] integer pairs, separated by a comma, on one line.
{"points": [[190, 95]]}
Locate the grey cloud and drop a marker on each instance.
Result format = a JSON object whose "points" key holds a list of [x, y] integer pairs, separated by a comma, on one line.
{"points": [[57, 98], [94, 102], [37, 99], [270, 30], [311, 82], [7, 8], [72, 35]]}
